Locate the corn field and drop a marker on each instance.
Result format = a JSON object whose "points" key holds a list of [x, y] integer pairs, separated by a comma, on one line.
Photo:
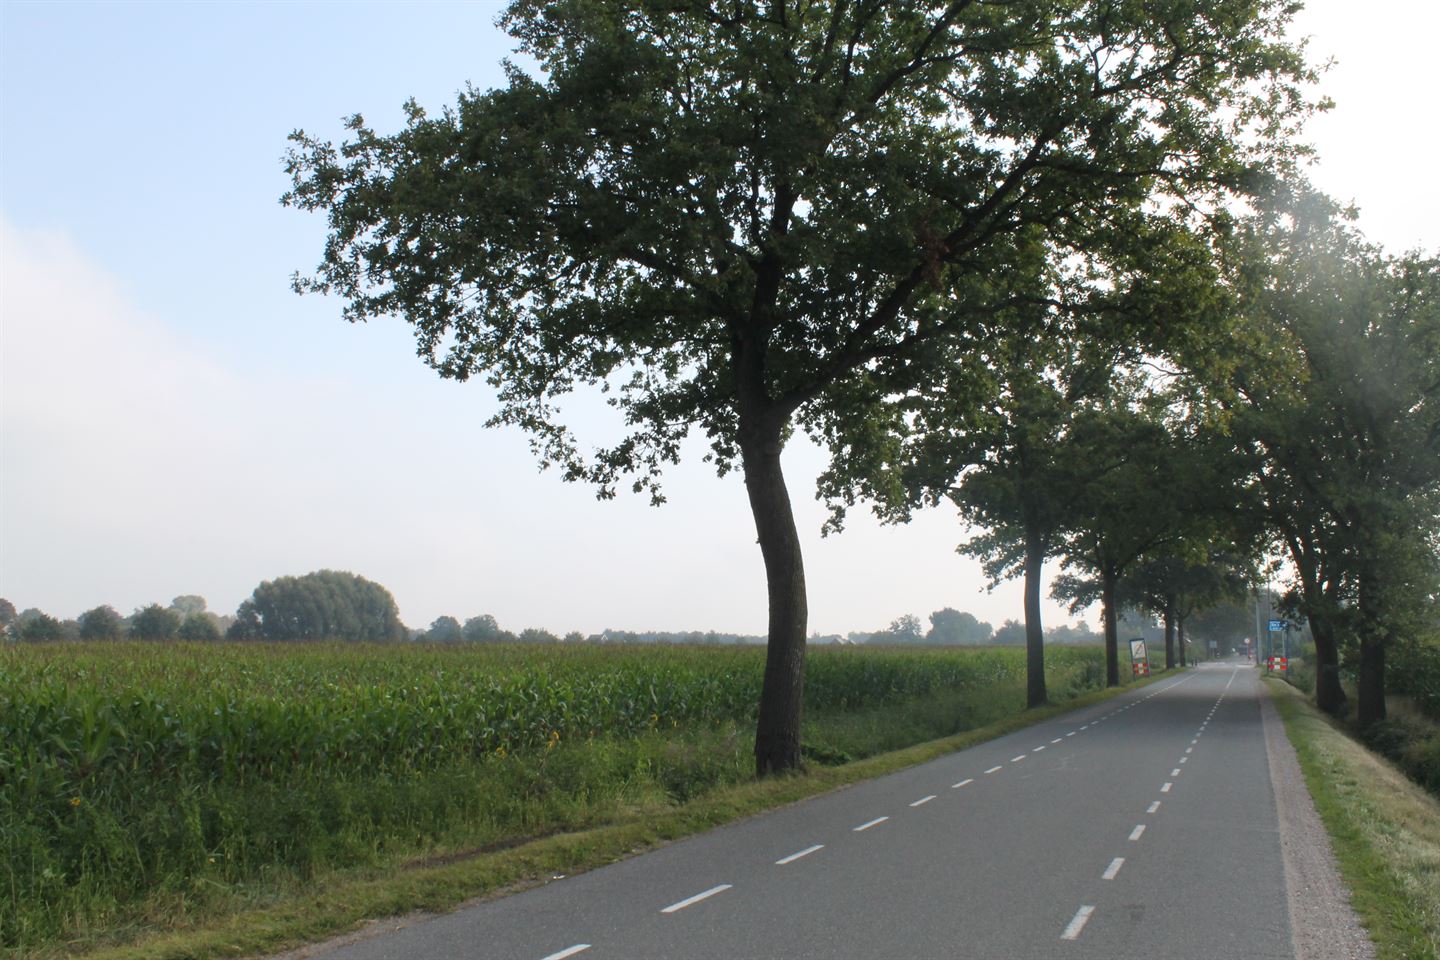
{"points": [[127, 769]]}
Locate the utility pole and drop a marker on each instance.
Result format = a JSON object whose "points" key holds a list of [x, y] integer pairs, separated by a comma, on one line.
{"points": [[1255, 647]]}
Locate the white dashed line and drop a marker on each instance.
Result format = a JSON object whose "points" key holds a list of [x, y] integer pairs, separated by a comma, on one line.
{"points": [[1113, 869], [1190, 749], [1017, 759], [993, 769], [1056, 740], [869, 824], [1086, 727], [567, 952], [1136, 833], [967, 780], [1071, 733], [796, 856], [1165, 787], [1153, 807], [1175, 772], [1184, 759], [1077, 923], [923, 800], [691, 901], [1038, 749]]}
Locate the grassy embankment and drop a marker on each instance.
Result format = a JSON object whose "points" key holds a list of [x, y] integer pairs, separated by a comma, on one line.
{"points": [[245, 797], [1385, 830]]}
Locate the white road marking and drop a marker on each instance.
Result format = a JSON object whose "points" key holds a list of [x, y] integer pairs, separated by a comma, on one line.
{"points": [[1165, 787], [1153, 807], [962, 783], [1086, 727], [691, 901], [869, 824], [923, 800], [1017, 759], [993, 769], [567, 952], [1139, 829], [1113, 869], [1056, 740], [1190, 749], [1175, 772], [1038, 749], [1077, 923], [796, 856], [1184, 759], [1071, 733]]}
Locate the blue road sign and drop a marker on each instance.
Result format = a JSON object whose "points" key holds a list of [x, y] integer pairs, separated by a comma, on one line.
{"points": [[1277, 625]]}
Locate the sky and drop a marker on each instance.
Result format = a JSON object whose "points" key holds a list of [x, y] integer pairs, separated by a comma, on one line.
{"points": [[174, 420]]}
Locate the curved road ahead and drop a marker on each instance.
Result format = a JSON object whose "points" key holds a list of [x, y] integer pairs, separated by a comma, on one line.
{"points": [[1145, 826]]}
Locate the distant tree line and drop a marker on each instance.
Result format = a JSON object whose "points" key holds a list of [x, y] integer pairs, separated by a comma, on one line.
{"points": [[186, 618], [334, 605]]}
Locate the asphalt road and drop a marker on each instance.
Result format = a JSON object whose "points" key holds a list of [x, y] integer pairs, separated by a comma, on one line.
{"points": [[1142, 827]]}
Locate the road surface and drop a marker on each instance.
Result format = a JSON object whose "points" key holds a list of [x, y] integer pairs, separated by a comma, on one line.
{"points": [[1145, 826]]}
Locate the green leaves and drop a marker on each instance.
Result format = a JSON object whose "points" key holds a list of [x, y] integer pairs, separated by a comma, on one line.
{"points": [[828, 189]]}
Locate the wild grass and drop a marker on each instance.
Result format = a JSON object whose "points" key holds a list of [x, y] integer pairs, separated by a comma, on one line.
{"points": [[1385, 829], [146, 786]]}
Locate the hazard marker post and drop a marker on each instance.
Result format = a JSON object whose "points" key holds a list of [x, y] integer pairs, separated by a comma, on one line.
{"points": [[1139, 659]]}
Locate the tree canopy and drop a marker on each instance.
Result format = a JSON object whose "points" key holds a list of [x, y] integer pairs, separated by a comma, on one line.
{"points": [[101, 623], [1337, 393], [154, 623], [325, 605]]}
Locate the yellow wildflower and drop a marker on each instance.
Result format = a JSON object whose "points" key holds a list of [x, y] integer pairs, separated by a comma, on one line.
{"points": [[74, 801]]}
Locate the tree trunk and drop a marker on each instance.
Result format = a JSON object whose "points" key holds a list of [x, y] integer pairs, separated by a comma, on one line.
{"points": [[1329, 695], [1169, 635], [1370, 692], [1112, 643], [777, 733], [1180, 639], [1319, 602], [1034, 632]]}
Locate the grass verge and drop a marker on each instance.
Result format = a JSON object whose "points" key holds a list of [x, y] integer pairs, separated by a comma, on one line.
{"points": [[346, 900], [1385, 830]]}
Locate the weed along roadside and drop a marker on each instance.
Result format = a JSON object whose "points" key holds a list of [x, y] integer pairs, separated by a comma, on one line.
{"points": [[206, 859]]}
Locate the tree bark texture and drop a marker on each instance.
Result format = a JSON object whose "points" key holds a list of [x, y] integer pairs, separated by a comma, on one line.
{"points": [[777, 733], [1180, 639], [1107, 613], [1370, 690], [1329, 695], [1035, 694]]}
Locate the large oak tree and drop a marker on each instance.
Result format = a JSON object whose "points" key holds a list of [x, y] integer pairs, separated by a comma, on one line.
{"points": [[737, 216]]}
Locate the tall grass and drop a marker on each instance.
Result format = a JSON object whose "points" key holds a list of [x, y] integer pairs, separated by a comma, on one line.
{"points": [[141, 780]]}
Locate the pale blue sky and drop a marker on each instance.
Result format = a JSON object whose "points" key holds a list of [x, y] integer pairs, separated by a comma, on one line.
{"points": [[173, 420]]}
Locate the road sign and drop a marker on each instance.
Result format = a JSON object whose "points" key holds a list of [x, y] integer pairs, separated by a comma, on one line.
{"points": [[1279, 664], [1277, 625], [1137, 651], [1140, 668]]}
